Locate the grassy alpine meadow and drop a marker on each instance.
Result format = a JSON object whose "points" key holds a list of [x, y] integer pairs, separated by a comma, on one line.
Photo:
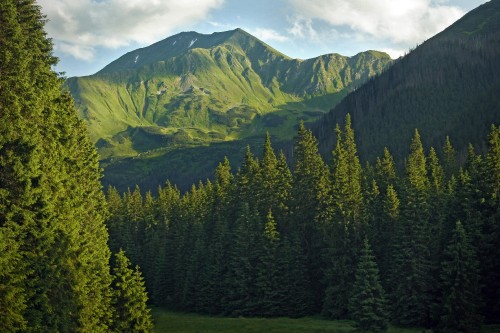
{"points": [[174, 322]]}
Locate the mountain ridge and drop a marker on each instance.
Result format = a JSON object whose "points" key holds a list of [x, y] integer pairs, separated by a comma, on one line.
{"points": [[210, 92], [447, 86], [217, 84], [171, 47]]}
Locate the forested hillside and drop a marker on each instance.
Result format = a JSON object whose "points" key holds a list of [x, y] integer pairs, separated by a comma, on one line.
{"points": [[54, 259], [446, 86], [417, 248]]}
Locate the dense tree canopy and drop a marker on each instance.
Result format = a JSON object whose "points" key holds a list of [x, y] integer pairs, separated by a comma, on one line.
{"points": [[269, 241]]}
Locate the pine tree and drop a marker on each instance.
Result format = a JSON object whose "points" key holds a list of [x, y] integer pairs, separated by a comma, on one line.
{"points": [[489, 249], [267, 281], [347, 176], [410, 278], [51, 203], [385, 170], [267, 181], [449, 159], [246, 181], [129, 298], [378, 229], [367, 304], [215, 233], [438, 205], [116, 220], [293, 278], [240, 287], [133, 231], [310, 181], [493, 165], [460, 285], [284, 186], [391, 211], [346, 223]]}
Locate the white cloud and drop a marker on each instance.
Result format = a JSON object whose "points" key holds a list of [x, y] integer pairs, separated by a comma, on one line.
{"points": [[302, 27], [78, 27], [268, 35], [405, 22], [394, 53]]}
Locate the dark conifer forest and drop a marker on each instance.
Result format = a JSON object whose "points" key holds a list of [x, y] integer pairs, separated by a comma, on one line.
{"points": [[417, 247]]}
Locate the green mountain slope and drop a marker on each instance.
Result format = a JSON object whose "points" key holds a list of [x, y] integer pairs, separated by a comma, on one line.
{"points": [[193, 90], [449, 85]]}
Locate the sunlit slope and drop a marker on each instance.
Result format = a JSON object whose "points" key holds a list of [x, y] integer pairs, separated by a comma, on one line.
{"points": [[194, 89]]}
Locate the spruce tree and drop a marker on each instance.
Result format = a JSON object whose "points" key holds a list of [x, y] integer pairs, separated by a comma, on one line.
{"points": [[293, 278], [385, 170], [367, 303], [391, 211], [346, 223], [410, 278], [460, 289], [347, 176], [489, 249], [267, 281], [449, 159], [133, 233], [284, 189], [51, 203], [129, 298], [310, 181], [116, 220], [240, 294], [267, 181]]}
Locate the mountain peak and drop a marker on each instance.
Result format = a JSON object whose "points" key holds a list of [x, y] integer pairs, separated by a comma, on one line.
{"points": [[179, 44]]}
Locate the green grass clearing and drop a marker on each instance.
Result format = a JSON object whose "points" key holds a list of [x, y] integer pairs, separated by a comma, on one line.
{"points": [[173, 322]]}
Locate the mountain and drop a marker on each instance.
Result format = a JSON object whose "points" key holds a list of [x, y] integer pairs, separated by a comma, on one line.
{"points": [[193, 90], [449, 85]]}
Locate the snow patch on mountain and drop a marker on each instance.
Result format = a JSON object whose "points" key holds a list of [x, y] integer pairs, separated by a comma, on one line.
{"points": [[192, 42], [136, 58]]}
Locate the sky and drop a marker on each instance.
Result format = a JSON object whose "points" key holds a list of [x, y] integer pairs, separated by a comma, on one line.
{"points": [[89, 34]]}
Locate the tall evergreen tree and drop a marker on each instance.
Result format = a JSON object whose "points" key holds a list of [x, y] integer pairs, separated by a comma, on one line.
{"points": [[346, 223], [268, 178], [116, 220], [129, 298], [391, 212], [284, 186], [347, 176], [50, 196], [240, 294], [269, 290], [460, 285], [449, 159], [489, 248], [367, 304], [310, 181], [293, 278], [385, 170], [411, 277]]}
